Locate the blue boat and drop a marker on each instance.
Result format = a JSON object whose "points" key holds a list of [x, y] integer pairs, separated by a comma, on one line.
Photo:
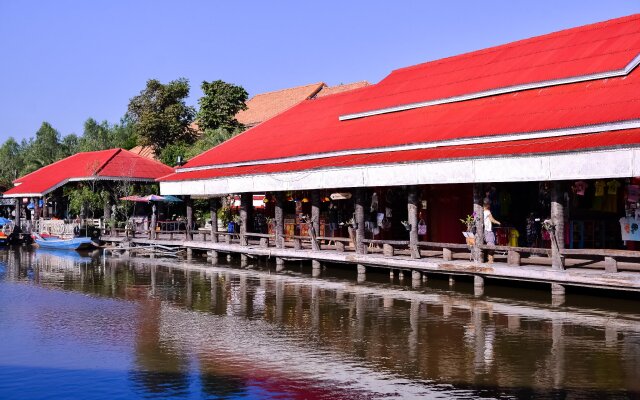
{"points": [[78, 243]]}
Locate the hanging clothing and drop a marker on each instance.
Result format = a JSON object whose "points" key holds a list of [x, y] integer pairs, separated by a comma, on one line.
{"points": [[513, 237], [374, 202], [422, 227], [488, 226]]}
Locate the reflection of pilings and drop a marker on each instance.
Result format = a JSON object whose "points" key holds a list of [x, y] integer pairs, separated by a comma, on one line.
{"points": [[189, 297], [387, 301], [214, 290], [557, 353], [513, 322], [360, 303], [416, 279], [610, 335], [315, 308], [243, 294], [414, 314], [153, 279], [279, 300]]}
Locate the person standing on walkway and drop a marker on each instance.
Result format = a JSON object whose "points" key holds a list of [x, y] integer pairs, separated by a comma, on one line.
{"points": [[489, 236]]}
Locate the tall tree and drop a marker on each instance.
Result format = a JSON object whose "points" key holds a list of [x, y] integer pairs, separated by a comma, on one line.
{"points": [[220, 104], [96, 136], [44, 149], [160, 115], [11, 164]]}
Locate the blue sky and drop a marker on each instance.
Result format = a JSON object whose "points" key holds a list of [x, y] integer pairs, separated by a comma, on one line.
{"points": [[64, 61]]}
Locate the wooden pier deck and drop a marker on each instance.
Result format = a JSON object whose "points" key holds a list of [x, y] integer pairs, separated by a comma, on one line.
{"points": [[534, 268]]}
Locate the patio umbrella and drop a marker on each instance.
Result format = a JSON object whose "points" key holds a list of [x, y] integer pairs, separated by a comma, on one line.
{"points": [[172, 199], [134, 198]]}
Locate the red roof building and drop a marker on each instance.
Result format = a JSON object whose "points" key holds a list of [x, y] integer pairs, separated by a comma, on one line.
{"points": [[544, 108], [113, 164]]}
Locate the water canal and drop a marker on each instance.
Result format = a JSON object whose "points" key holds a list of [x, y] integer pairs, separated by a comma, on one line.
{"points": [[79, 326]]}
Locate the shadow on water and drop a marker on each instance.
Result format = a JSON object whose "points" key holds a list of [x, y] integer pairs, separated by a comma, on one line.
{"points": [[169, 328]]}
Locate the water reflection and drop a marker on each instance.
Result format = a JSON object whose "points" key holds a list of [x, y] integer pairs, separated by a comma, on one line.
{"points": [[228, 332]]}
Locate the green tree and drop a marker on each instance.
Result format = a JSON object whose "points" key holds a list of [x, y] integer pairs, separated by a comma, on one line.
{"points": [[220, 104], [96, 136], [11, 163], [70, 145], [160, 115], [44, 149]]}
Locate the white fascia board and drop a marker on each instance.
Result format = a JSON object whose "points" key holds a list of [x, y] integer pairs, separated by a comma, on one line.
{"points": [[611, 163]]}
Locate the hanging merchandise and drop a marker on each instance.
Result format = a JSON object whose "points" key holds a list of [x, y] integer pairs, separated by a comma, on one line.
{"points": [[379, 219], [611, 199], [633, 193], [598, 199], [374, 202], [422, 227], [580, 187]]}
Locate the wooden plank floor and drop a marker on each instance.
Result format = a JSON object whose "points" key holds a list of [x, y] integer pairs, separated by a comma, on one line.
{"points": [[583, 277]]}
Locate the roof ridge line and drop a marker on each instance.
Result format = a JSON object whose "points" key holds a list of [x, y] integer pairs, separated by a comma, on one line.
{"points": [[285, 89], [497, 91], [104, 164], [518, 42]]}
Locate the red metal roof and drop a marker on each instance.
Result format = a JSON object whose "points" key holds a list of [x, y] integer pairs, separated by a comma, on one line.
{"points": [[313, 127], [104, 164], [622, 138]]}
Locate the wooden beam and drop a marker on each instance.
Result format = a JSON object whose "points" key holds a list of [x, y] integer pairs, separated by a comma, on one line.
{"points": [[279, 220], [478, 198], [246, 208], [557, 220], [189, 228], [359, 220], [412, 208], [214, 205]]}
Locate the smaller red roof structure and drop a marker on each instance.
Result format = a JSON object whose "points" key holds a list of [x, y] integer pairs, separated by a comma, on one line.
{"points": [[113, 164]]}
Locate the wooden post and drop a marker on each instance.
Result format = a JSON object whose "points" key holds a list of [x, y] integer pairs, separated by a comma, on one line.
{"points": [[279, 220], [557, 219], [478, 197], [36, 209], [106, 213], [359, 220], [189, 204], [246, 208], [152, 226], [447, 254], [412, 208], [45, 209], [315, 218], [214, 204], [610, 264], [17, 218]]}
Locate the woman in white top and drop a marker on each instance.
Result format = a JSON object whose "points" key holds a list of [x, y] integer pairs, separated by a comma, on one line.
{"points": [[489, 236]]}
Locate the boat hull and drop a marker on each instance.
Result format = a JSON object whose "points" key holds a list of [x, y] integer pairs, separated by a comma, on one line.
{"points": [[66, 244]]}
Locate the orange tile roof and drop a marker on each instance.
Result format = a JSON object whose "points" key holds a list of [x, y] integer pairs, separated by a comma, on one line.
{"points": [[144, 151], [329, 90], [263, 106]]}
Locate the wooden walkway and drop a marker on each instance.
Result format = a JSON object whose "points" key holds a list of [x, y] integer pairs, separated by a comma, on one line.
{"points": [[578, 274]]}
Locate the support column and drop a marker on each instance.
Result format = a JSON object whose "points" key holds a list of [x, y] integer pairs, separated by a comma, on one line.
{"points": [[478, 197], [359, 220], [189, 203], [316, 268], [246, 208], [279, 264], [279, 220], [18, 211], [315, 218], [416, 279], [478, 285], [106, 211], [45, 208], [557, 220], [412, 208], [214, 205], [36, 209], [557, 294], [152, 225]]}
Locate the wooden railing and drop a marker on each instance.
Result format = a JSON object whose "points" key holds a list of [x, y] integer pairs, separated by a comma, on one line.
{"points": [[609, 258]]}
